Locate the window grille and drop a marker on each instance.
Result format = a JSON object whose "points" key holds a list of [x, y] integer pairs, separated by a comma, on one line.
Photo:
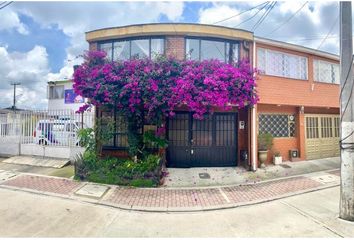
{"points": [[312, 127], [120, 128], [279, 125], [326, 127], [281, 64], [326, 72], [336, 126]]}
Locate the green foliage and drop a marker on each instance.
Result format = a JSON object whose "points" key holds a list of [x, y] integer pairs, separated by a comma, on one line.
{"points": [[151, 140], [265, 141], [143, 183], [93, 138], [110, 170]]}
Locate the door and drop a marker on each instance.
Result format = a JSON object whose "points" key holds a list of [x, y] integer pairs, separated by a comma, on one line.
{"points": [[322, 136], [210, 142]]}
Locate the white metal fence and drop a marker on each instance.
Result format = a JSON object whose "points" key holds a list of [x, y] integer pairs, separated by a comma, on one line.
{"points": [[40, 132]]}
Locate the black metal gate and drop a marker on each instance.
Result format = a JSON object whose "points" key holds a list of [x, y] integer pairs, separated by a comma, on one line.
{"points": [[210, 142]]}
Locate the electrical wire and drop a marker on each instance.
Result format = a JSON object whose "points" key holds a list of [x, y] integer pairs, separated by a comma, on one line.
{"points": [[264, 16], [331, 29], [236, 15], [253, 15], [286, 21], [7, 4]]}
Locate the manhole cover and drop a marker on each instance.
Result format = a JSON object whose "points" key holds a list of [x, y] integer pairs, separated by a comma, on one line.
{"points": [[204, 175], [327, 178], [92, 190], [284, 166]]}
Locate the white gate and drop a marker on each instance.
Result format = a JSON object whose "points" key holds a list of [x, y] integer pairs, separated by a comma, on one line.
{"points": [[42, 133]]}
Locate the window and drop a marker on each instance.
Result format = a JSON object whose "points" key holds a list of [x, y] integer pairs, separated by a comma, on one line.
{"points": [[121, 50], [133, 48], [312, 127], [279, 125], [56, 92], [120, 129], [336, 126], [326, 127], [203, 49], [281, 64], [326, 72]]}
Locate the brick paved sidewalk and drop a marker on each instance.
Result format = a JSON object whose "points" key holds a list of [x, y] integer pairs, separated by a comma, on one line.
{"points": [[167, 199]]}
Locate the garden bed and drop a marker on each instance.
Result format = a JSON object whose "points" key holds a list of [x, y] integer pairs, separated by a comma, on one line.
{"points": [[110, 170]]}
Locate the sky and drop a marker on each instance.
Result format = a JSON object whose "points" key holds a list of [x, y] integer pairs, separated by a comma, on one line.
{"points": [[41, 41]]}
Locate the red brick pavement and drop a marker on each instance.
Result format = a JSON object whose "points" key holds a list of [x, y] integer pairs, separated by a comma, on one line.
{"points": [[44, 184], [209, 197], [268, 190], [173, 198]]}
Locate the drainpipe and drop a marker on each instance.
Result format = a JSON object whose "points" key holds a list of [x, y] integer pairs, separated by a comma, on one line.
{"points": [[253, 118]]}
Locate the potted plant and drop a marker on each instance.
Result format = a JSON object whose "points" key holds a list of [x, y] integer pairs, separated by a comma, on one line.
{"points": [[277, 158], [265, 143]]}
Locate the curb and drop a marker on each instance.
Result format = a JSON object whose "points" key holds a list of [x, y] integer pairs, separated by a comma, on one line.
{"points": [[103, 202]]}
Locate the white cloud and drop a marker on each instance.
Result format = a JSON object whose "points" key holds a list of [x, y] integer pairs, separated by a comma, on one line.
{"points": [[10, 21], [28, 68], [307, 27], [74, 19]]}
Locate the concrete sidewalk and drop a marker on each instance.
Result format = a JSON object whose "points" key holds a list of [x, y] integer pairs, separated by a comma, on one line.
{"points": [[167, 199], [312, 214], [204, 177]]}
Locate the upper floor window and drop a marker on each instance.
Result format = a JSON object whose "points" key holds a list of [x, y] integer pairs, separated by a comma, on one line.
{"points": [[203, 49], [56, 92], [133, 48], [326, 72], [281, 64]]}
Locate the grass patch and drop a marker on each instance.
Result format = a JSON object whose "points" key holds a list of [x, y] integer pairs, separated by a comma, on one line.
{"points": [[65, 172]]}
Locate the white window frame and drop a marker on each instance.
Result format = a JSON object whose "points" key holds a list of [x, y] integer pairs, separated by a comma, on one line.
{"points": [[316, 75], [265, 69]]}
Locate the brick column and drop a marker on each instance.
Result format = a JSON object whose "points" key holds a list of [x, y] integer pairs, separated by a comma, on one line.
{"points": [[175, 47], [93, 46], [301, 133]]}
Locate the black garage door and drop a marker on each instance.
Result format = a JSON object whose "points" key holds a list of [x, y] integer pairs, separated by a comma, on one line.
{"points": [[210, 142]]}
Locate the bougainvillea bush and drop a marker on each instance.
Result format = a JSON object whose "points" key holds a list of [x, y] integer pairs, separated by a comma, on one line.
{"points": [[144, 89], [156, 87]]}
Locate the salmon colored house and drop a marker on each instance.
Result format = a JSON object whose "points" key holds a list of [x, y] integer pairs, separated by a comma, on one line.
{"points": [[298, 89]]}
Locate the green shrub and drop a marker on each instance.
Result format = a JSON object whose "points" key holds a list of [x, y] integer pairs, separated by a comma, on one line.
{"points": [[143, 183], [111, 170]]}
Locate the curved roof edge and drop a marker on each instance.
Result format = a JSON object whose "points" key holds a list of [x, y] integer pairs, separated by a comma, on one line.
{"points": [[191, 29]]}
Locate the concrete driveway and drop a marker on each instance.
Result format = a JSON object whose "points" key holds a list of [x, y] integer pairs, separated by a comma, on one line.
{"points": [[308, 215], [219, 176]]}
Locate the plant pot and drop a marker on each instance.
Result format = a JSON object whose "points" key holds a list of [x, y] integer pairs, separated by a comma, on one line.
{"points": [[262, 157], [277, 160]]}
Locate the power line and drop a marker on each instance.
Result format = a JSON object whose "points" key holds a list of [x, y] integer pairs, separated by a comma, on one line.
{"points": [[330, 30], [264, 16], [253, 15], [287, 20], [236, 15], [7, 4]]}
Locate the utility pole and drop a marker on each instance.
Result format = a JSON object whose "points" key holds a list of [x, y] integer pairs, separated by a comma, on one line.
{"points": [[14, 101], [346, 209]]}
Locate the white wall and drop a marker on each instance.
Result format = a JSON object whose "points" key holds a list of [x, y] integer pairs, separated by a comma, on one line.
{"points": [[59, 104]]}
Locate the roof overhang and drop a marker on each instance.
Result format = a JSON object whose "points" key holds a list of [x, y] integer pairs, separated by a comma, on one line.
{"points": [[178, 29], [295, 47]]}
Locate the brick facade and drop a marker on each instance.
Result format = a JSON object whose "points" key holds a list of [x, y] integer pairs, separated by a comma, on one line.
{"points": [[277, 95]]}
